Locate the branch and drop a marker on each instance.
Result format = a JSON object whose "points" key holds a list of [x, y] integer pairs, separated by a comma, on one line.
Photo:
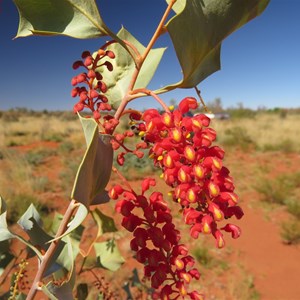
{"points": [[51, 250]]}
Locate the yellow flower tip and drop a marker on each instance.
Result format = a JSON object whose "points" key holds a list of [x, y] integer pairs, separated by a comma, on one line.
{"points": [[170, 194], [217, 164], [221, 243], [191, 196], [179, 264], [206, 228], [218, 215], [142, 133], [171, 107], [160, 158], [161, 175], [188, 135], [151, 155]]}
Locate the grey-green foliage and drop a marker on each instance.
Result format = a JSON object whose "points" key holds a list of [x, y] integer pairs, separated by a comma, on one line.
{"points": [[198, 30]]}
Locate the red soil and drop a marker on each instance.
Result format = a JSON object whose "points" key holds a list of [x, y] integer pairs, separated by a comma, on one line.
{"points": [[274, 265]]}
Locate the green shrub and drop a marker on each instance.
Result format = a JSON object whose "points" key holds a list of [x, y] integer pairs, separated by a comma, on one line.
{"points": [[53, 137], [66, 147], [136, 168], [278, 190], [203, 256], [293, 207], [290, 232], [238, 137], [37, 157], [285, 146], [19, 203]]}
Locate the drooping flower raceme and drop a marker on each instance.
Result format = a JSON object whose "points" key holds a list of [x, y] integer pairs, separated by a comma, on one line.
{"points": [[156, 241], [181, 145]]}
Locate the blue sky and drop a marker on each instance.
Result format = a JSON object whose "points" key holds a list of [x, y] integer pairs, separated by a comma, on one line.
{"points": [[260, 61]]}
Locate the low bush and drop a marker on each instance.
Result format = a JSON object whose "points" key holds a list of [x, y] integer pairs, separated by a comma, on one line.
{"points": [[238, 137], [290, 232]]}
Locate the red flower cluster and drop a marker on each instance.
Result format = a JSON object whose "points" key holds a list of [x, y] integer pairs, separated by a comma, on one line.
{"points": [[181, 146], [92, 97], [156, 241]]}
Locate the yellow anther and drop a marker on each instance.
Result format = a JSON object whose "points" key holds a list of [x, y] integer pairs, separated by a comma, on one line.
{"points": [[142, 133], [188, 135], [161, 175], [171, 107], [160, 157]]}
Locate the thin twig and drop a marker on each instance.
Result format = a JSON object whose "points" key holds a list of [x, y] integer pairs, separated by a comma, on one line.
{"points": [[152, 94], [201, 99]]}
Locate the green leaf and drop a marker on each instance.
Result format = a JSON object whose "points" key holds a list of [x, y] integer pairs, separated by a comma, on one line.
{"points": [[108, 255], [75, 18], [31, 223], [5, 259], [124, 66], [82, 291], [5, 233], [198, 30], [75, 223], [21, 296], [63, 291], [104, 223], [48, 293], [95, 168], [3, 207]]}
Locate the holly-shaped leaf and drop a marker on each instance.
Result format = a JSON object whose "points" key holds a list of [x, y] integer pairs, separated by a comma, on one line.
{"points": [[6, 234], [198, 29], [75, 18], [95, 168], [108, 255], [124, 66], [31, 223]]}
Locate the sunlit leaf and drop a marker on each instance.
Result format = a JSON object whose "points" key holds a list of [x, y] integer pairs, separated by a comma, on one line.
{"points": [[108, 255], [94, 171], [124, 66], [75, 18], [198, 30], [78, 218], [5, 234]]}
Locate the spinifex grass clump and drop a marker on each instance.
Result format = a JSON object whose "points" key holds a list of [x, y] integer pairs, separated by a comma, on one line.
{"points": [[178, 143]]}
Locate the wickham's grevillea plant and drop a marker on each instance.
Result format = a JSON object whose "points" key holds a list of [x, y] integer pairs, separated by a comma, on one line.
{"points": [[179, 143]]}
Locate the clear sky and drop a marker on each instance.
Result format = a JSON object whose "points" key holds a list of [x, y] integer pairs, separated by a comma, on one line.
{"points": [[260, 61]]}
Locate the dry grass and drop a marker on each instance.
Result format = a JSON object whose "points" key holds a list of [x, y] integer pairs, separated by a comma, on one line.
{"points": [[29, 129], [267, 131]]}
